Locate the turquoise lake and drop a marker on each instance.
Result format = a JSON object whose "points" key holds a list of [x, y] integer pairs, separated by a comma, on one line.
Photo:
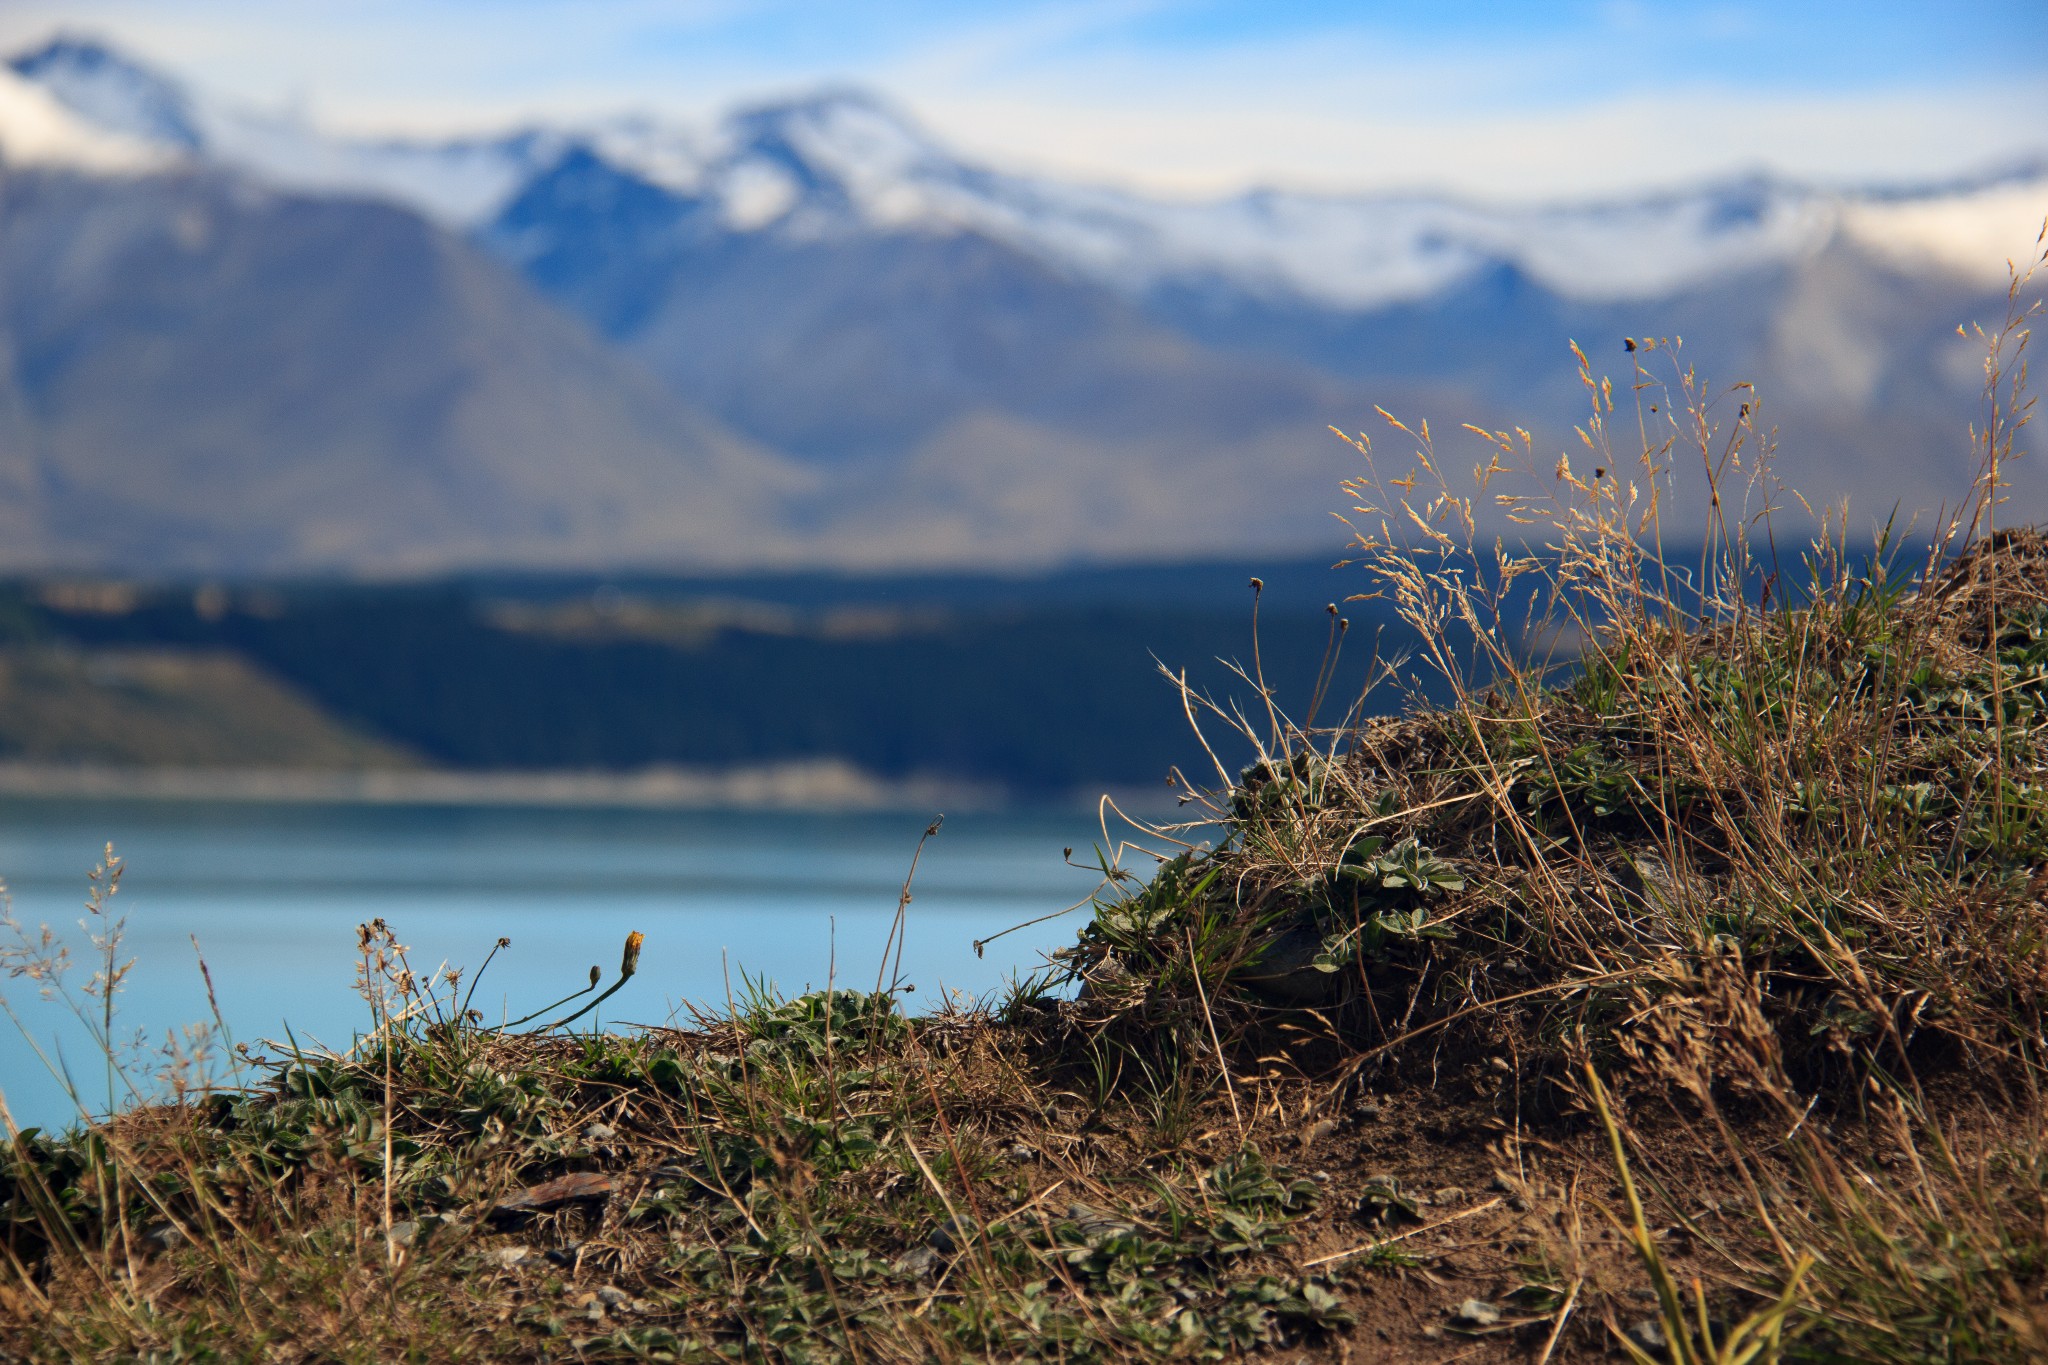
{"points": [[273, 894]]}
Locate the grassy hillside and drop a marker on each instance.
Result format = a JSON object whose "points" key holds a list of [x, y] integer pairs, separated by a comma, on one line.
{"points": [[1687, 1004], [167, 707]]}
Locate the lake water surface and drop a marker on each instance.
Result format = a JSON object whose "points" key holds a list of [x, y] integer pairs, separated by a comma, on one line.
{"points": [[273, 895]]}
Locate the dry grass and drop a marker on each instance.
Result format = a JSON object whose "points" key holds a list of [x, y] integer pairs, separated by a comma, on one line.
{"points": [[1769, 853]]}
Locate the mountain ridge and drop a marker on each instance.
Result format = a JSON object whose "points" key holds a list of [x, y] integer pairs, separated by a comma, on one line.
{"points": [[411, 401], [814, 335]]}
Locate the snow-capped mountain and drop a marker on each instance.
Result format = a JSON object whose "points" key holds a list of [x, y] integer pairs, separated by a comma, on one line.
{"points": [[847, 343], [848, 161], [813, 165], [114, 94], [823, 164], [457, 182]]}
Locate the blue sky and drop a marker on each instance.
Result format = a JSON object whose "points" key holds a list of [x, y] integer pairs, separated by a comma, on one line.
{"points": [[1512, 98]]}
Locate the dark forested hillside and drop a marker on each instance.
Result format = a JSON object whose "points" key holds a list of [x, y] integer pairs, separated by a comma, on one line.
{"points": [[1038, 688]]}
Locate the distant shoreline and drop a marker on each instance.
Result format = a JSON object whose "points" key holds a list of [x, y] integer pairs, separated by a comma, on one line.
{"points": [[816, 784]]}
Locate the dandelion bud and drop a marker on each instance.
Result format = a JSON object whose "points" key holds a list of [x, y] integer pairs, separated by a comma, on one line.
{"points": [[630, 963]]}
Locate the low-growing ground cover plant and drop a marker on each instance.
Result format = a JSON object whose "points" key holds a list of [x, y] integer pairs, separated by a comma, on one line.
{"points": [[1678, 996]]}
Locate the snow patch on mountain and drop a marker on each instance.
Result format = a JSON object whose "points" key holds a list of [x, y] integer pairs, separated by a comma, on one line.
{"points": [[113, 93], [664, 155], [460, 184], [756, 193], [1974, 234], [37, 130]]}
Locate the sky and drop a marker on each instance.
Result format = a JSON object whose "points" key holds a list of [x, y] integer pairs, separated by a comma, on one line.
{"points": [[1509, 99]]}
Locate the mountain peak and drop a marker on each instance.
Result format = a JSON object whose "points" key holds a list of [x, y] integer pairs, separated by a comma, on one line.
{"points": [[845, 133], [113, 96], [827, 104], [112, 91]]}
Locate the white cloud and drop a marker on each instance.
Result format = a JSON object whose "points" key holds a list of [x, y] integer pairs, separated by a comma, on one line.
{"points": [[1618, 145]]}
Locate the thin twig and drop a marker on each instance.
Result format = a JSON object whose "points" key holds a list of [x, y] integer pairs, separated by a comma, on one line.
{"points": [[1571, 1301], [1401, 1236], [1229, 1087], [898, 929]]}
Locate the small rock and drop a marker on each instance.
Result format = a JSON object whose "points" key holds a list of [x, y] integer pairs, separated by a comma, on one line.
{"points": [[1449, 1194], [508, 1258], [403, 1233], [1367, 1110], [1104, 977], [1648, 1334], [163, 1236], [1020, 1152], [1285, 970], [947, 1236], [612, 1296], [1476, 1313], [1320, 1177], [920, 1263], [565, 1255], [1650, 886], [600, 1132]]}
